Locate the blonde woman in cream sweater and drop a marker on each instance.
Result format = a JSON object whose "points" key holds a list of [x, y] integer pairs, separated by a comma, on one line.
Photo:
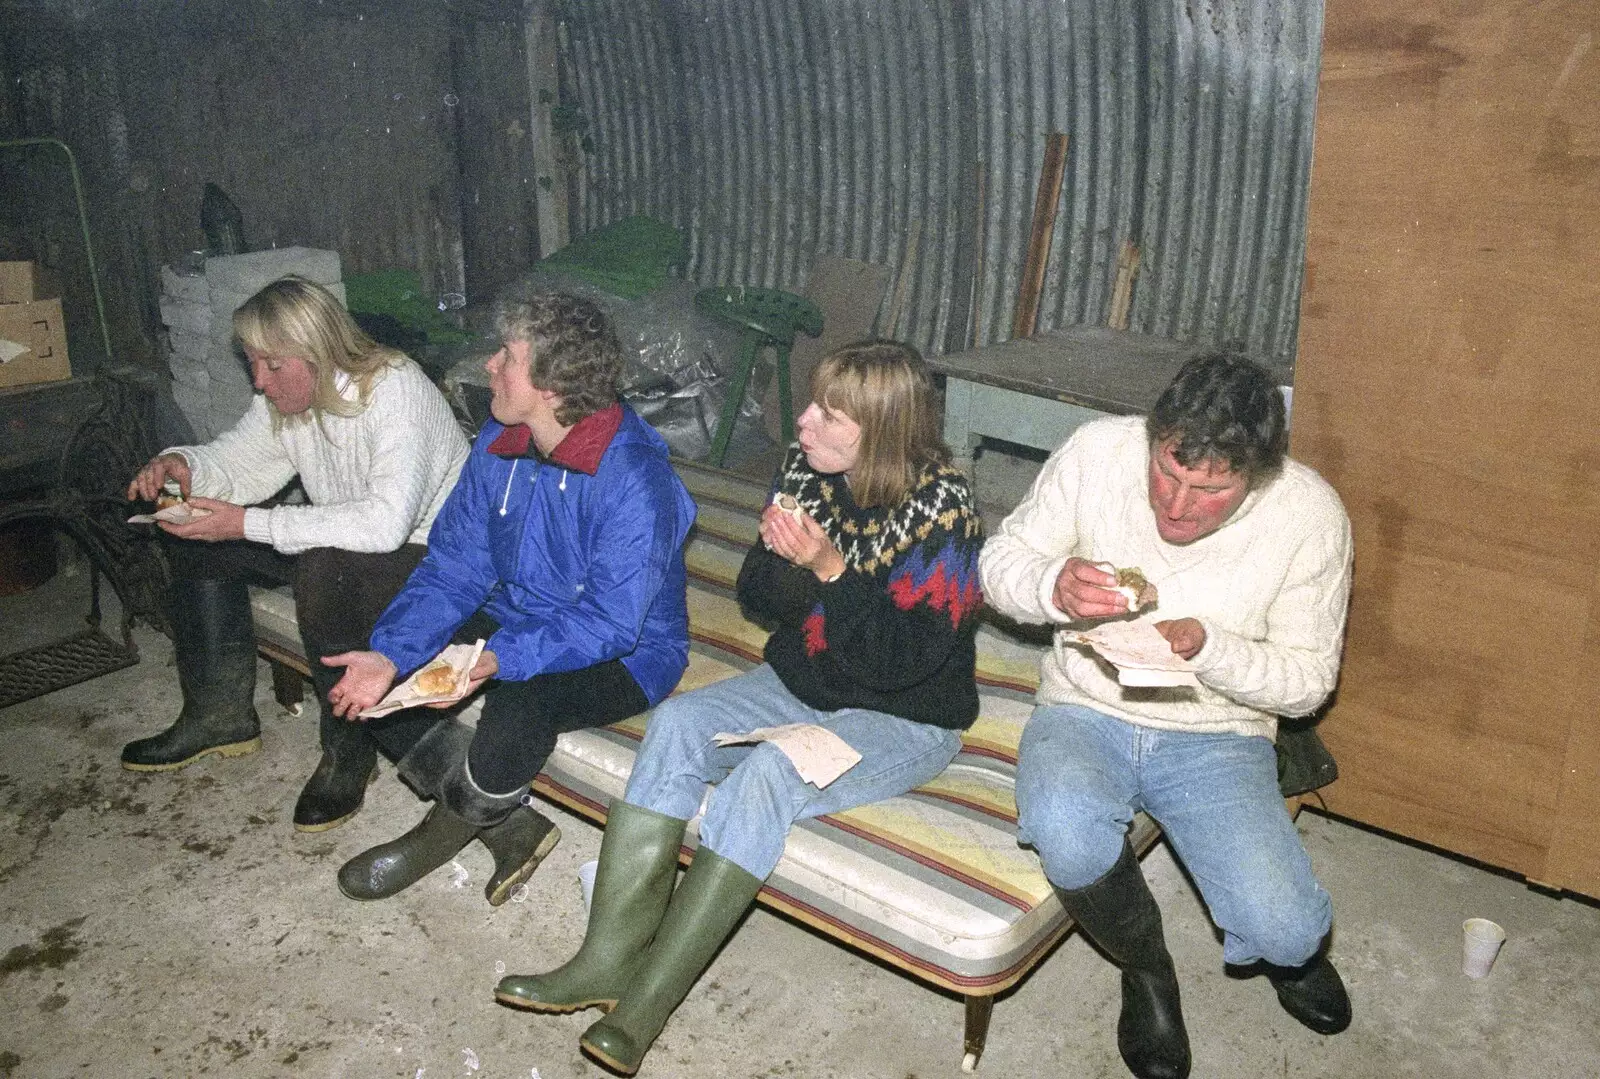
{"points": [[1249, 557], [376, 449]]}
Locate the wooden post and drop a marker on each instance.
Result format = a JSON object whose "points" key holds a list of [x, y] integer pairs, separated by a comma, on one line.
{"points": [[908, 265], [544, 93], [977, 258], [1045, 203]]}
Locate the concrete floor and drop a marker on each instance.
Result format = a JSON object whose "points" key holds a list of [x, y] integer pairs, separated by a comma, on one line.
{"points": [[176, 925]]}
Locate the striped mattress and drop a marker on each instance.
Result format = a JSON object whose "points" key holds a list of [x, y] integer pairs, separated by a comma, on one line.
{"points": [[932, 882]]}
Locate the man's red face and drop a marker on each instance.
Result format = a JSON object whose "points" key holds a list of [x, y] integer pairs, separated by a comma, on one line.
{"points": [[1191, 502]]}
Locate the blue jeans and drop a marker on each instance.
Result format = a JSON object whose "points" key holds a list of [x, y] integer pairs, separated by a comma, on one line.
{"points": [[1081, 776], [758, 793]]}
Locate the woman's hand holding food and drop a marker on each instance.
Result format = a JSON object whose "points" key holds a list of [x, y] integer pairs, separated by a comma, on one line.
{"points": [[153, 476], [486, 668], [223, 521], [367, 678], [799, 540]]}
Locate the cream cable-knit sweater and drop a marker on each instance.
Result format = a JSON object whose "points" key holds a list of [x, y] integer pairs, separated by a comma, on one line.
{"points": [[375, 480], [1270, 586]]}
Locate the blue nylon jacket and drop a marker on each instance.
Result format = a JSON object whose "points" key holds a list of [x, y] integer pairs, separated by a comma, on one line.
{"points": [[577, 569]]}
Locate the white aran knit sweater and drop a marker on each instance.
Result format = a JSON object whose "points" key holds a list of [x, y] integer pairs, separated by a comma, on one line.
{"points": [[1270, 586], [375, 480]]}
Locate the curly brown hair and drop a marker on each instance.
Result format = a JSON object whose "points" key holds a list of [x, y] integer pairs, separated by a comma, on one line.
{"points": [[575, 352]]}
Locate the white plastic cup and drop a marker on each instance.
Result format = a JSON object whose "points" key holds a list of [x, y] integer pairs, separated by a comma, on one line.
{"points": [[586, 881], [1482, 943]]}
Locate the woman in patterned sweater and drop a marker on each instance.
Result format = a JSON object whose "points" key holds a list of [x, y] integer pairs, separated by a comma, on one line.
{"points": [[867, 570]]}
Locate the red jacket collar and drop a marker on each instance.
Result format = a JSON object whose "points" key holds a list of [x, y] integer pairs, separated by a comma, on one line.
{"points": [[580, 451]]}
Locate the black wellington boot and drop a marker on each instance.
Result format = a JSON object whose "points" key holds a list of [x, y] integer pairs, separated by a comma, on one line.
{"points": [[1313, 993], [337, 788], [392, 867], [519, 843], [1118, 913], [436, 766], [215, 644]]}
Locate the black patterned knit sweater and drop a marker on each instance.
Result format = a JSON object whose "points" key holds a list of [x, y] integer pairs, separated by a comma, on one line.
{"points": [[896, 632]]}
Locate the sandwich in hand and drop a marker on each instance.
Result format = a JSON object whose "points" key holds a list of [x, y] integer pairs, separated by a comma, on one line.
{"points": [[1133, 586], [788, 504]]}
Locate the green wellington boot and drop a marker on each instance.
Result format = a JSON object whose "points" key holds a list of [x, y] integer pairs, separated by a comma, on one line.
{"points": [[713, 897], [638, 861]]}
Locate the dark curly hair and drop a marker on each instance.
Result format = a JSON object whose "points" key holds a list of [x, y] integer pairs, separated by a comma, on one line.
{"points": [[575, 352], [1222, 406]]}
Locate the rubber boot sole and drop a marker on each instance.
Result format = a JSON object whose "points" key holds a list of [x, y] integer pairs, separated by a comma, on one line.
{"points": [[606, 1059], [554, 1009], [329, 825], [232, 749], [526, 870]]}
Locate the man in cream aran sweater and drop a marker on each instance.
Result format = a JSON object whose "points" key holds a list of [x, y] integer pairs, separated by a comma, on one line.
{"points": [[1249, 554], [377, 450]]}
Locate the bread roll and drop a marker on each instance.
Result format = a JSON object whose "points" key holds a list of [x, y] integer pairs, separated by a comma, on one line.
{"points": [[437, 679]]}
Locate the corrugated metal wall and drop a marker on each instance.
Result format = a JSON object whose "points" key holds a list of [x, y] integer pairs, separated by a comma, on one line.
{"points": [[772, 130], [392, 132]]}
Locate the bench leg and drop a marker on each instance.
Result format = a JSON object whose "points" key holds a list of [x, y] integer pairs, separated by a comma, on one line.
{"points": [[288, 687], [978, 1011]]}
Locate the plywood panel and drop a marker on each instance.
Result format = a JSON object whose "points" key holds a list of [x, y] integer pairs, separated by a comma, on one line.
{"points": [[1446, 386]]}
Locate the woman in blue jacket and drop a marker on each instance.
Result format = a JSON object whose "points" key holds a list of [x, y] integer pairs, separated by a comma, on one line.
{"points": [[562, 547], [868, 573]]}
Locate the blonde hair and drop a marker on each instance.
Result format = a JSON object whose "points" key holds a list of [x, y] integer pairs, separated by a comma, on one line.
{"points": [[884, 387], [298, 318]]}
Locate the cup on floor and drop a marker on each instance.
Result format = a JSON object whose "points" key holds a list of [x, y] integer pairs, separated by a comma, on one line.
{"points": [[1482, 943]]}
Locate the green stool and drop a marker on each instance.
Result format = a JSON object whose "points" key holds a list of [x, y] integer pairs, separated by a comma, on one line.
{"points": [[770, 318]]}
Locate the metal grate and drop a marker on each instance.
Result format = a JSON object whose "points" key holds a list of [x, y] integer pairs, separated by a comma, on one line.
{"points": [[34, 672]]}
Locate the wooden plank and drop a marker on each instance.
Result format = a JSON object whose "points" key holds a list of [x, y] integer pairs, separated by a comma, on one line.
{"points": [[544, 82], [848, 293], [1122, 290], [1047, 200], [1445, 386]]}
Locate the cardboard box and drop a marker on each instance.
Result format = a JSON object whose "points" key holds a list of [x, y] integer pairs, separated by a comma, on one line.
{"points": [[33, 343], [24, 282]]}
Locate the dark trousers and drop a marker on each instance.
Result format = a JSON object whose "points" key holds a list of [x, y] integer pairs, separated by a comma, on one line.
{"points": [[520, 721], [338, 594]]}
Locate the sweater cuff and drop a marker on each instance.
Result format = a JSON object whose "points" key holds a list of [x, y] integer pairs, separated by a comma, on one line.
{"points": [[197, 469], [1213, 653], [1047, 591], [258, 525]]}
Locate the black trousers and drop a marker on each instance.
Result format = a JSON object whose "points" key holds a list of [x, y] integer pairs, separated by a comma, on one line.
{"points": [[338, 594], [520, 721]]}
